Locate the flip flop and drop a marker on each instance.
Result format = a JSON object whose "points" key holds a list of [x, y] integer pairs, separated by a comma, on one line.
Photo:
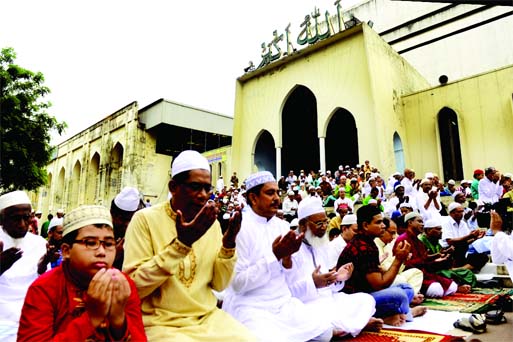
{"points": [[495, 317], [475, 323]]}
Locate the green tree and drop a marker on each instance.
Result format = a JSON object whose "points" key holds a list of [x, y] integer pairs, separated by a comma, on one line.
{"points": [[25, 126]]}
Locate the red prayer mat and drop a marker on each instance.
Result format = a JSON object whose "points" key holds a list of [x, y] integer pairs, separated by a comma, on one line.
{"points": [[476, 302], [399, 335]]}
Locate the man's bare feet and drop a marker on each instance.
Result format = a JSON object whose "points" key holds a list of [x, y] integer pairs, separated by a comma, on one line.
{"points": [[395, 320], [374, 324], [417, 299], [418, 311], [464, 289]]}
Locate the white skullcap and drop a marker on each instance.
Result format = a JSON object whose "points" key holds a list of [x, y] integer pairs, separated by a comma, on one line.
{"points": [[456, 193], [373, 201], [453, 206], [432, 223], [290, 193], [294, 223], [424, 181], [428, 175], [466, 181], [55, 222], [38, 212], [411, 215], [259, 178], [349, 219], [396, 174], [60, 211], [128, 199], [508, 175], [309, 206], [451, 181], [86, 215], [398, 186], [13, 198], [405, 205], [189, 160]]}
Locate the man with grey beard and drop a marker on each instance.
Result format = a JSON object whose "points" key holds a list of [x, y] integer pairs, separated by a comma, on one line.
{"points": [[318, 287]]}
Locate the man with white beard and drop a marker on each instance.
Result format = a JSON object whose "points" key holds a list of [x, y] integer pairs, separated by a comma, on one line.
{"points": [[317, 286]]}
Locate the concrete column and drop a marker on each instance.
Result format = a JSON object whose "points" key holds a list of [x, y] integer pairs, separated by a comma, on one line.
{"points": [[322, 154], [278, 163]]}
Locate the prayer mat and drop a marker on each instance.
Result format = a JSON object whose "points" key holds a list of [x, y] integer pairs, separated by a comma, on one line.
{"points": [[478, 301], [399, 335]]}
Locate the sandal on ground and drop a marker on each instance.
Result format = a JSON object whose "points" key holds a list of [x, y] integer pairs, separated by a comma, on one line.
{"points": [[475, 323], [495, 317], [504, 302]]}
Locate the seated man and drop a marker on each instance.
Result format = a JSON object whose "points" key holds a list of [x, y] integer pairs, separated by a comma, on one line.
{"points": [[433, 285], [84, 298], [455, 232], [431, 239], [385, 243], [21, 259], [342, 210], [176, 255], [348, 229], [259, 296], [317, 286], [392, 302], [502, 243]]}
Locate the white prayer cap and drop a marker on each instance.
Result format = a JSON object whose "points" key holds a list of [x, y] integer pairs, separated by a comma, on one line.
{"points": [[424, 181], [398, 186], [38, 212], [86, 215], [354, 180], [405, 205], [508, 175], [373, 201], [259, 178], [13, 198], [189, 160], [411, 215], [465, 181], [451, 181], [294, 223], [309, 206], [290, 193], [60, 211], [428, 175], [396, 174], [456, 193], [128, 199], [432, 223], [349, 219], [55, 222], [453, 206]]}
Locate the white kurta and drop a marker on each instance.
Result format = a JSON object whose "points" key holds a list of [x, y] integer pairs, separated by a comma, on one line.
{"points": [[15, 282], [258, 295], [502, 251], [346, 312]]}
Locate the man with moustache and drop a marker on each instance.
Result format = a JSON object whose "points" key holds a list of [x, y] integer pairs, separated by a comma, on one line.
{"points": [[21, 255], [258, 295], [318, 286], [176, 255]]}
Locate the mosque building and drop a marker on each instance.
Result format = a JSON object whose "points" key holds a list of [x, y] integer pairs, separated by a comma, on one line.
{"points": [[428, 85]]}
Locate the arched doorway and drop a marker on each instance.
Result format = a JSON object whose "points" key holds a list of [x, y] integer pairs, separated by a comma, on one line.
{"points": [[116, 164], [265, 153], [75, 184], [450, 144], [341, 143], [300, 141], [92, 179], [398, 153]]}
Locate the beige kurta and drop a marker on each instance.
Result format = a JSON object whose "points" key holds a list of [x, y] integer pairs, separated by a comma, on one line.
{"points": [[175, 282]]}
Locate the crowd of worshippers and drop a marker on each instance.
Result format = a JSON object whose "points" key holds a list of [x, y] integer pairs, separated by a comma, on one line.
{"points": [[266, 261]]}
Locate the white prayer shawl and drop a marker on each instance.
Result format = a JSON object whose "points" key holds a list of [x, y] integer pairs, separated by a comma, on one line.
{"points": [[502, 251], [15, 282], [346, 312], [258, 295]]}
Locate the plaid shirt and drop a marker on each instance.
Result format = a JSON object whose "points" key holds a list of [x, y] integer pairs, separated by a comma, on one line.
{"points": [[364, 254]]}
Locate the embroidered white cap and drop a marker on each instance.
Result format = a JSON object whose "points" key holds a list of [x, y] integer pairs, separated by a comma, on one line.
{"points": [[189, 160], [13, 198], [309, 206]]}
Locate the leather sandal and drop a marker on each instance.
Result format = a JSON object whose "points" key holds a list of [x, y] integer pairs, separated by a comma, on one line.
{"points": [[475, 323]]}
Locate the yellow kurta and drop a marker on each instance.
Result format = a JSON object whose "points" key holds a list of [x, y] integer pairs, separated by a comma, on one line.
{"points": [[175, 282]]}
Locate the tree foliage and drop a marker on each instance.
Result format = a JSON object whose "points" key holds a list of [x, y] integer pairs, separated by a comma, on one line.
{"points": [[25, 126]]}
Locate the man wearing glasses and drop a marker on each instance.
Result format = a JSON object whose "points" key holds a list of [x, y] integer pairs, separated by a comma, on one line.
{"points": [[318, 286], [20, 253], [258, 295], [176, 255]]}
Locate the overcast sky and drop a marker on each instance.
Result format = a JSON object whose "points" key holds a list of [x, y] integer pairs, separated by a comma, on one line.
{"points": [[98, 56]]}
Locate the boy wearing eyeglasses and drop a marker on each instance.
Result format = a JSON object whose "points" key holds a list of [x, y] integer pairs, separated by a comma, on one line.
{"points": [[84, 299]]}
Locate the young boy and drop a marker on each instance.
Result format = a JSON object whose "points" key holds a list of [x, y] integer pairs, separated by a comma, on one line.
{"points": [[84, 298]]}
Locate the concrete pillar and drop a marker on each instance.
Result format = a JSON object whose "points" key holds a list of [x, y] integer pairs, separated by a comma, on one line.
{"points": [[322, 154], [278, 163]]}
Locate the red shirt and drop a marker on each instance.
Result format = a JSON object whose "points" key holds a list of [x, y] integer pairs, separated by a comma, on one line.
{"points": [[54, 310]]}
